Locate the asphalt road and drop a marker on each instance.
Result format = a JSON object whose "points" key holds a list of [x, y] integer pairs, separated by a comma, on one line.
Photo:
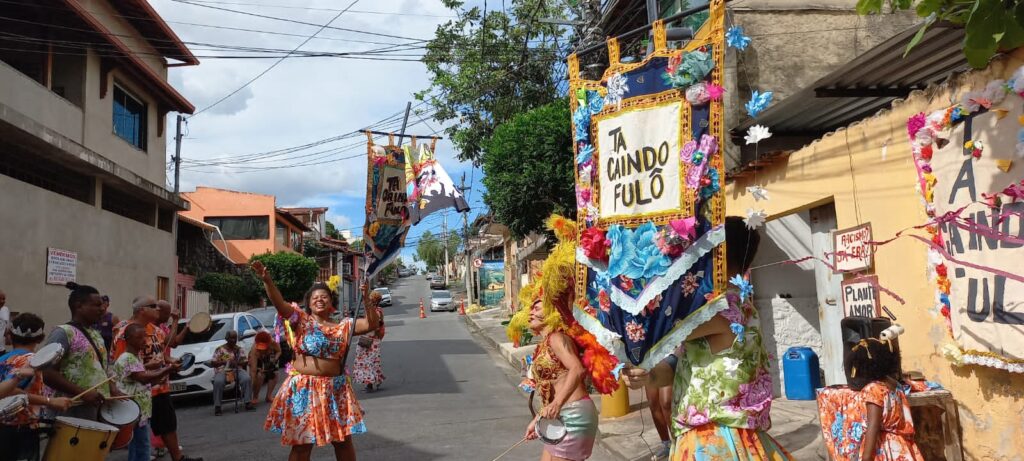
{"points": [[445, 398]]}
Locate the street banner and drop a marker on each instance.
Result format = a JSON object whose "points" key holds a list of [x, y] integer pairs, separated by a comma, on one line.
{"points": [[971, 178], [650, 210], [433, 190], [387, 205]]}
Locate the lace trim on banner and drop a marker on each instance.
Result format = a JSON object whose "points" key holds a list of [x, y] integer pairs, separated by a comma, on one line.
{"points": [[683, 329]]}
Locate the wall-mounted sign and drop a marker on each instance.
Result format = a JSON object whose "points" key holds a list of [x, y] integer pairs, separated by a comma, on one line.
{"points": [[478, 263], [61, 266], [860, 298], [853, 250]]}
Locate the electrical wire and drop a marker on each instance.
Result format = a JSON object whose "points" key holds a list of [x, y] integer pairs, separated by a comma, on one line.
{"points": [[308, 8], [279, 61]]}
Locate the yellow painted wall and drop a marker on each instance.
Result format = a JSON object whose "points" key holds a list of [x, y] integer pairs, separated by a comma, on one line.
{"points": [[869, 183]]}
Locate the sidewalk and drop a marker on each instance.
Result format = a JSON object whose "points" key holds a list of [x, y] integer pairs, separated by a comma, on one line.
{"points": [[794, 423]]}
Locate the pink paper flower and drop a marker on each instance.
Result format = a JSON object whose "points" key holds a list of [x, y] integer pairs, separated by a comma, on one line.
{"points": [[915, 123], [715, 91], [635, 331]]}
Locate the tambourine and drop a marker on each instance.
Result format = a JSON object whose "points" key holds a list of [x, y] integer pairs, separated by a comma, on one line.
{"points": [[551, 431], [46, 355], [11, 406], [199, 322], [187, 360]]}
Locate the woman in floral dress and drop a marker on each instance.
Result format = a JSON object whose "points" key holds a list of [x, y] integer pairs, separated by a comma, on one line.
{"points": [[722, 391], [369, 372], [316, 404]]}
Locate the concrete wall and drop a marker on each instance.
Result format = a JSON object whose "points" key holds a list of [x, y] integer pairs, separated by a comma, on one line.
{"points": [[779, 57], [126, 33], [989, 400], [27, 96], [120, 257]]}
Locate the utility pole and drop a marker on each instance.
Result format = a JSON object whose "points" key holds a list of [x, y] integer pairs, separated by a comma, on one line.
{"points": [[465, 240], [177, 154], [445, 243]]}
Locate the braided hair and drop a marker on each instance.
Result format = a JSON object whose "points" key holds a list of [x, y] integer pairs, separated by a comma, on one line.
{"points": [[79, 294]]}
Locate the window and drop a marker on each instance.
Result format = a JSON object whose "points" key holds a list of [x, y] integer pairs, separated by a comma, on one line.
{"points": [[243, 227], [129, 118], [280, 234], [128, 205], [162, 285], [256, 324], [297, 241], [243, 326], [32, 169]]}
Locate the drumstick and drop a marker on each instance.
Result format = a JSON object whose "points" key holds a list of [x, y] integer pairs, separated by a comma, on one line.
{"points": [[79, 396], [513, 447]]}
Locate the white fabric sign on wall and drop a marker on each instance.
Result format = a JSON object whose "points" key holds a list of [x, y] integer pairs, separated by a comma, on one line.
{"points": [[986, 309], [638, 155]]}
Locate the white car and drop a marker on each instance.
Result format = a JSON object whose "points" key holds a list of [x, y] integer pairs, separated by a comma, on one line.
{"points": [[385, 295], [441, 300], [199, 379]]}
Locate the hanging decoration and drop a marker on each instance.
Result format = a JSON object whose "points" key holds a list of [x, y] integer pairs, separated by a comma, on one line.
{"points": [[433, 190], [970, 187], [650, 208], [758, 102], [759, 193], [387, 204], [755, 218], [756, 134], [735, 38]]}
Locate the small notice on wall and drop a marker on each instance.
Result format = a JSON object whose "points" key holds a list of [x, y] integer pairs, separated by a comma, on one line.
{"points": [[853, 248], [61, 266], [860, 298]]}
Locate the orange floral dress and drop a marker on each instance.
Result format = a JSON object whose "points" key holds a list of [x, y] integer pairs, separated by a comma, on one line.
{"points": [[844, 415], [316, 409]]}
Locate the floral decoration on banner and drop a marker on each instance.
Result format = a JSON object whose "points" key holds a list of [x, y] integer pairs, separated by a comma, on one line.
{"points": [[743, 285], [756, 134], [595, 244], [617, 88], [696, 155], [735, 38], [586, 154], [688, 70], [634, 253], [710, 184], [676, 237], [758, 102]]}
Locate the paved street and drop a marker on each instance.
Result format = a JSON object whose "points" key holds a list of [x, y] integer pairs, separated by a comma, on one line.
{"points": [[446, 398]]}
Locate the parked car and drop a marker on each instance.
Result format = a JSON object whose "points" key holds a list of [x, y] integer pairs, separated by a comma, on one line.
{"points": [[385, 296], [438, 283], [441, 300], [199, 378]]}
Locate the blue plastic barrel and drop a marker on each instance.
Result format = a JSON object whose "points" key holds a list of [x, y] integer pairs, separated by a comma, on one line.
{"points": [[800, 373]]}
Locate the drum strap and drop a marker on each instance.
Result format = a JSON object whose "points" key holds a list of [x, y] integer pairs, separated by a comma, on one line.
{"points": [[99, 356]]}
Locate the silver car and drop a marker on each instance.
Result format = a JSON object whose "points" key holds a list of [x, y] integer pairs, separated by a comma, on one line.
{"points": [[441, 300], [385, 296]]}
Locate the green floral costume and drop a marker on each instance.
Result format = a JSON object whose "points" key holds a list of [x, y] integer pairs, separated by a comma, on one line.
{"points": [[125, 365], [80, 364]]}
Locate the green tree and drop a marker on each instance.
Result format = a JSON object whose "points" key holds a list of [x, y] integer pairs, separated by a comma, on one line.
{"points": [[430, 249], [990, 25], [331, 231], [356, 245], [486, 69], [292, 273], [230, 289], [528, 168]]}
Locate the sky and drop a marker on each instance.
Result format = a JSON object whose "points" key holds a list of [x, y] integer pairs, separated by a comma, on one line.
{"points": [[303, 100]]}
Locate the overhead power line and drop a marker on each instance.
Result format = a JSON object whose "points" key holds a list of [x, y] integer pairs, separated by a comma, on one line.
{"points": [[279, 61], [309, 8]]}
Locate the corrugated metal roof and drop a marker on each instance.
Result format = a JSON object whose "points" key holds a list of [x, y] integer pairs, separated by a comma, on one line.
{"points": [[866, 84]]}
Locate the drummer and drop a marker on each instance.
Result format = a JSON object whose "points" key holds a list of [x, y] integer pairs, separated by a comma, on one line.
{"points": [[168, 322], [18, 435], [135, 379], [84, 364]]}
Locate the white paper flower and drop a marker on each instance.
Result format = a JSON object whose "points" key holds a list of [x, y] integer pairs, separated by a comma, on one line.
{"points": [[379, 151], [759, 193], [1020, 149], [970, 101], [617, 87], [757, 133], [924, 137], [755, 218], [995, 91]]}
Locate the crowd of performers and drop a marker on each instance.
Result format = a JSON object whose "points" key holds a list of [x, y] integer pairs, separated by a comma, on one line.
{"points": [[711, 399]]}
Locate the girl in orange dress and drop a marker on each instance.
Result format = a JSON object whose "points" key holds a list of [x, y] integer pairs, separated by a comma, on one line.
{"points": [[871, 420], [316, 404]]}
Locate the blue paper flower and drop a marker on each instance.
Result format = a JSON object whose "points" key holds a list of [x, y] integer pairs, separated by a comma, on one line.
{"points": [[585, 154], [956, 115], [634, 253], [739, 330], [746, 289], [581, 119], [712, 188], [734, 37], [1020, 135], [617, 371], [758, 102], [595, 102], [944, 299]]}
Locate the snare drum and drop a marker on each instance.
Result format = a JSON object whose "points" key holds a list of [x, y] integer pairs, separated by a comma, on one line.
{"points": [[123, 414], [551, 431], [46, 355], [11, 406], [80, 440]]}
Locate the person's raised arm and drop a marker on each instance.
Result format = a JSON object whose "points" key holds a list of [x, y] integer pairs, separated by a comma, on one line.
{"points": [[152, 376], [284, 309], [372, 320]]}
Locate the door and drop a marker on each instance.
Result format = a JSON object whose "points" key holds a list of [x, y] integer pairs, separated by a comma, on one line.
{"points": [[830, 312]]}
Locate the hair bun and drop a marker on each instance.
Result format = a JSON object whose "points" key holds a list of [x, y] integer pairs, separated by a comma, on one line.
{"points": [[71, 286]]}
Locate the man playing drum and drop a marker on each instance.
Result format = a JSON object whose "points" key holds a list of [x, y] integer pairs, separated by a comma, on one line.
{"points": [[82, 370], [229, 359]]}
